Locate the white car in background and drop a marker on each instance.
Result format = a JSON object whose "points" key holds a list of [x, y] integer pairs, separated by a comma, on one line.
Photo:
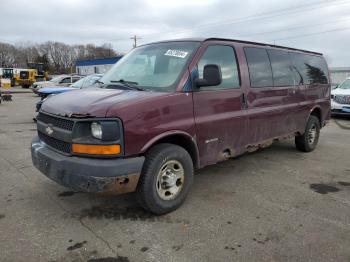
{"points": [[340, 95]]}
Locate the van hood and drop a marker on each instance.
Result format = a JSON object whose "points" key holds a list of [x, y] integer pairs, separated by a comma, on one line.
{"points": [[93, 102]]}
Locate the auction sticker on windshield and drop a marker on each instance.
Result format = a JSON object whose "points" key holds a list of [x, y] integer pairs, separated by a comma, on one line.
{"points": [[176, 53]]}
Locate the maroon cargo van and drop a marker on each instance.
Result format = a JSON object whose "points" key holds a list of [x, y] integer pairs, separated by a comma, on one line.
{"points": [[170, 107]]}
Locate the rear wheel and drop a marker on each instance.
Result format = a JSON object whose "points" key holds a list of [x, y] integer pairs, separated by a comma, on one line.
{"points": [[166, 178], [308, 141]]}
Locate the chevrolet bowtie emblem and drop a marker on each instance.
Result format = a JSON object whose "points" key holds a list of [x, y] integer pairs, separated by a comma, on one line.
{"points": [[49, 130]]}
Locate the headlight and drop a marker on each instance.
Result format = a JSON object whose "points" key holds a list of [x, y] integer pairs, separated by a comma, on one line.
{"points": [[96, 130], [108, 132]]}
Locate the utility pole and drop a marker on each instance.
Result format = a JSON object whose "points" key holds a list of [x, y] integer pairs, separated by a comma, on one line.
{"points": [[135, 38]]}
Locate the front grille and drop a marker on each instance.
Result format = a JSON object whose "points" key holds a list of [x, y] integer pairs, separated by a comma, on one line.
{"points": [[55, 143], [55, 121], [342, 99]]}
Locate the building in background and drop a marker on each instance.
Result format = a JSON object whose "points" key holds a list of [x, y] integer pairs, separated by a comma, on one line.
{"points": [[339, 74], [95, 66]]}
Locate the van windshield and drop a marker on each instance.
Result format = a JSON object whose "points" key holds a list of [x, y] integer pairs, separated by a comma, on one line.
{"points": [[154, 67]]}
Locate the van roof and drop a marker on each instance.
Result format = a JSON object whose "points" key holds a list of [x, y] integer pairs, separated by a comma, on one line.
{"points": [[237, 41]]}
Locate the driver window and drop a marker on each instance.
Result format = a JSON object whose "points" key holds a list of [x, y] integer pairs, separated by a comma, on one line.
{"points": [[225, 57]]}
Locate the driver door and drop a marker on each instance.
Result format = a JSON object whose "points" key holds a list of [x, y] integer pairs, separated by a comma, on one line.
{"points": [[219, 111]]}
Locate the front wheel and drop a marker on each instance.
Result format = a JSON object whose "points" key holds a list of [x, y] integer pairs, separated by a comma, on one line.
{"points": [[308, 141], [166, 178]]}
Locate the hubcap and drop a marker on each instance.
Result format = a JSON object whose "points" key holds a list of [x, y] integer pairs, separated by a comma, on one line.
{"points": [[170, 180], [312, 134]]}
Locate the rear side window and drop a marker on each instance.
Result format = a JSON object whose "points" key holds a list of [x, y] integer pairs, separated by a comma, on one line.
{"points": [[225, 57], [281, 68], [259, 67], [311, 69]]}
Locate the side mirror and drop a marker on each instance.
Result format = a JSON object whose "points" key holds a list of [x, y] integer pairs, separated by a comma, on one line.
{"points": [[211, 76]]}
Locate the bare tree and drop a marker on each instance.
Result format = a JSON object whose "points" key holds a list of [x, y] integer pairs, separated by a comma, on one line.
{"points": [[7, 55], [58, 57]]}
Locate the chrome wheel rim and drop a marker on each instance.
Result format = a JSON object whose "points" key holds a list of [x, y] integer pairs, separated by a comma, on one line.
{"points": [[312, 134], [170, 180]]}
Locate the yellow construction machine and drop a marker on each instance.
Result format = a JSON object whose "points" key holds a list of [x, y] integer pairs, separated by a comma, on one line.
{"points": [[34, 73]]}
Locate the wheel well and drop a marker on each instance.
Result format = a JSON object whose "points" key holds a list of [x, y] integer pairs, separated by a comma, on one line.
{"points": [[317, 112], [186, 143]]}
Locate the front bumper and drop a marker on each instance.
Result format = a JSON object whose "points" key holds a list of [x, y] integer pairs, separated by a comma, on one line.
{"points": [[87, 174], [340, 109]]}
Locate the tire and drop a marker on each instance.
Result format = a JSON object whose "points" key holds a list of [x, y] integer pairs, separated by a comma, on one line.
{"points": [[150, 193], [305, 142]]}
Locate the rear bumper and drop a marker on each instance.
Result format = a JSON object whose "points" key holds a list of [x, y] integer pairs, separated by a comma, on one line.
{"points": [[87, 174]]}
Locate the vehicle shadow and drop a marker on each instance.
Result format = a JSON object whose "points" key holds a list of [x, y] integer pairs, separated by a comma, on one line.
{"points": [[341, 121], [344, 117]]}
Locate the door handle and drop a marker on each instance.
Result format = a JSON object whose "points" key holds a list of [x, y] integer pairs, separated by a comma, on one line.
{"points": [[243, 101]]}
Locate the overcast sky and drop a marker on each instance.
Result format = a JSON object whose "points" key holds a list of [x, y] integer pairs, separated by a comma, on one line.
{"points": [[318, 25]]}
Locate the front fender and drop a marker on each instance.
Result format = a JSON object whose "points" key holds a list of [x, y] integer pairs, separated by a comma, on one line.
{"points": [[157, 138], [186, 141]]}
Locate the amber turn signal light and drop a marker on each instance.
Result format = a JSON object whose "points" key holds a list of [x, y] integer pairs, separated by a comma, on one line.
{"points": [[96, 149]]}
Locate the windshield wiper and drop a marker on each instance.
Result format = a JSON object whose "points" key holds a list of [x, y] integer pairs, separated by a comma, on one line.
{"points": [[129, 84]]}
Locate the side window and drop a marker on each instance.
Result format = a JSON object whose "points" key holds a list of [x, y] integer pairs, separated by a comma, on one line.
{"points": [[317, 70], [259, 67], [225, 58], [75, 79], [311, 69], [281, 68], [66, 80]]}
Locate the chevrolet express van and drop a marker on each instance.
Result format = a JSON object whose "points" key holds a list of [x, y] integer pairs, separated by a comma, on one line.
{"points": [[170, 107]]}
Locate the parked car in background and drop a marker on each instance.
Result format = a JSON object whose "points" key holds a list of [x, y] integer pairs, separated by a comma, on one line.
{"points": [[84, 82], [62, 80], [340, 95], [334, 86], [180, 105]]}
